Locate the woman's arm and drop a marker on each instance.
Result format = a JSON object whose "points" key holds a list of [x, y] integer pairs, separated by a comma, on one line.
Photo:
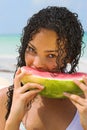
{"points": [[22, 95]]}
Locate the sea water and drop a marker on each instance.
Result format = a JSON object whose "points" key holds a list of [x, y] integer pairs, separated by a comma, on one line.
{"points": [[9, 44]]}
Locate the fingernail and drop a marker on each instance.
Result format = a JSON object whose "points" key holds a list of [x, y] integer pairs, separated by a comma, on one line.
{"points": [[42, 87], [66, 94]]}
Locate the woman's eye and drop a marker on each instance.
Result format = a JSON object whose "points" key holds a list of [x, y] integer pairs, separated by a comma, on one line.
{"points": [[51, 56], [30, 49]]}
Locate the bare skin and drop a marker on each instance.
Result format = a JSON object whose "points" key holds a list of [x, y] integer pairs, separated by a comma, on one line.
{"points": [[45, 114], [3, 111]]}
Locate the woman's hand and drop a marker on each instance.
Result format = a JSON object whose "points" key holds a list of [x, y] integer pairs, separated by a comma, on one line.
{"points": [[22, 95], [80, 102]]}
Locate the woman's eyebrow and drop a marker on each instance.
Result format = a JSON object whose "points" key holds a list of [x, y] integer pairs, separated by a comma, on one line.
{"points": [[30, 44], [51, 51]]}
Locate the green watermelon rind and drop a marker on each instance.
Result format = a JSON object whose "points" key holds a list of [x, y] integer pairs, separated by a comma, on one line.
{"points": [[53, 88]]}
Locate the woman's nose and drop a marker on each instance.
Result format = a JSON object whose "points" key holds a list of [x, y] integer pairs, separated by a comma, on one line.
{"points": [[37, 62]]}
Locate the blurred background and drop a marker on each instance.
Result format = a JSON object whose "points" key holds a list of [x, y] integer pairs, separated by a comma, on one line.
{"points": [[13, 17]]}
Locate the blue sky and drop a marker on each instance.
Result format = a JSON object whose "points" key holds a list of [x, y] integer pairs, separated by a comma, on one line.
{"points": [[14, 13]]}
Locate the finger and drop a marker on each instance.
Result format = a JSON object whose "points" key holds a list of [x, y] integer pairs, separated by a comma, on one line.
{"points": [[78, 106], [18, 71], [31, 86], [85, 80], [81, 104], [75, 98], [82, 86], [17, 80], [81, 109], [31, 94]]}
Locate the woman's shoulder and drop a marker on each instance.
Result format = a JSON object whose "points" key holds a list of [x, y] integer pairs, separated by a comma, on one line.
{"points": [[3, 110], [3, 98], [3, 93]]}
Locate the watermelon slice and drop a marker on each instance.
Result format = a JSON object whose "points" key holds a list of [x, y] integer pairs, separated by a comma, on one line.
{"points": [[55, 83]]}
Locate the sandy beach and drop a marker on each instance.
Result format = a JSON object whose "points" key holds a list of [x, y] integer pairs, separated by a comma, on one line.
{"points": [[7, 69], [8, 66]]}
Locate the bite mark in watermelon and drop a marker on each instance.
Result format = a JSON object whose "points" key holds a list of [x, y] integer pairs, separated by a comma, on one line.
{"points": [[55, 83]]}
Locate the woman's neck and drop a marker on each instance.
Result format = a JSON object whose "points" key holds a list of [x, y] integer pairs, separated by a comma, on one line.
{"points": [[50, 111]]}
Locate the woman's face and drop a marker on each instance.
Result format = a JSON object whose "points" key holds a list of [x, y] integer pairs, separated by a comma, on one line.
{"points": [[41, 52]]}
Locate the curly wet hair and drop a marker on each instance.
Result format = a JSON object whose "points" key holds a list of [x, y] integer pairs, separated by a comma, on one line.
{"points": [[68, 28]]}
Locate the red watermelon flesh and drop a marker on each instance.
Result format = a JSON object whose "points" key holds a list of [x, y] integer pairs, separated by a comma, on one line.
{"points": [[55, 83]]}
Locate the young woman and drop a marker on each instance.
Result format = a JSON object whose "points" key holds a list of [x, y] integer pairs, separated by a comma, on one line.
{"points": [[51, 40]]}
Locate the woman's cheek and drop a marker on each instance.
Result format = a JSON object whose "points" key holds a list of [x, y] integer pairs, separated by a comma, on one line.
{"points": [[52, 65], [28, 60]]}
